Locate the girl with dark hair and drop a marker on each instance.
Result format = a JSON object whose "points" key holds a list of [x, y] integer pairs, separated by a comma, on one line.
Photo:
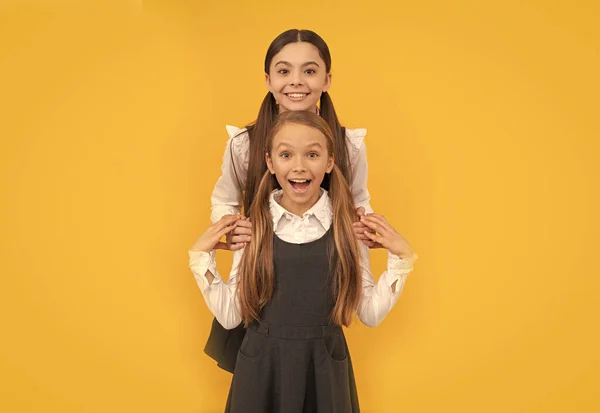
{"points": [[298, 76], [294, 297]]}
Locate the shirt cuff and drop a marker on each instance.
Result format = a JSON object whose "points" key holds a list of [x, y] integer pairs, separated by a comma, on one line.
{"points": [[401, 265], [398, 269], [200, 262]]}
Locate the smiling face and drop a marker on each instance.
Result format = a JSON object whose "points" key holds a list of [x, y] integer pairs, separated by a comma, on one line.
{"points": [[299, 159], [297, 77]]}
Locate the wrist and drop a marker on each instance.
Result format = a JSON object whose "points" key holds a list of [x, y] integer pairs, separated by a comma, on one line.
{"points": [[402, 254], [200, 248]]}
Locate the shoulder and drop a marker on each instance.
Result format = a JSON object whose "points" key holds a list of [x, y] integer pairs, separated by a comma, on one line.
{"points": [[236, 133], [239, 140], [355, 140]]}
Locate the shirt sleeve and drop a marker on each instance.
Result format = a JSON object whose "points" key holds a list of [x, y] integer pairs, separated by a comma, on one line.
{"points": [[227, 196], [378, 299], [221, 297], [359, 166]]}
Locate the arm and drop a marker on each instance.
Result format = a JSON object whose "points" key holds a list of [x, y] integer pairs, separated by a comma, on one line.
{"points": [[359, 167], [358, 185], [226, 197], [221, 297], [379, 298]]}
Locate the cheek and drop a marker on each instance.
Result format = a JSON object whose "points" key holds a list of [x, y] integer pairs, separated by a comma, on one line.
{"points": [[279, 167], [277, 84], [318, 82], [319, 171]]}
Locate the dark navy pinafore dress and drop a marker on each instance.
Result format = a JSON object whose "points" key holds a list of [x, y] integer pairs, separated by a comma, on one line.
{"points": [[294, 360]]}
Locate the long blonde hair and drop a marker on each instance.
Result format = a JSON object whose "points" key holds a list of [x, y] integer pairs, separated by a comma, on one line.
{"points": [[256, 274]]}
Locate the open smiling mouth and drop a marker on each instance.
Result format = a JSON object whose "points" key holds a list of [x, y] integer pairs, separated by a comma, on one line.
{"points": [[296, 96], [300, 185]]}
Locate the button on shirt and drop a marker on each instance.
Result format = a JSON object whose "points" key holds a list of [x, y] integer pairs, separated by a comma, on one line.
{"points": [[377, 298]]}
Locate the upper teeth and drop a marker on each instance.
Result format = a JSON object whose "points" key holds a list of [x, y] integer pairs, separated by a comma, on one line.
{"points": [[299, 181], [296, 95]]}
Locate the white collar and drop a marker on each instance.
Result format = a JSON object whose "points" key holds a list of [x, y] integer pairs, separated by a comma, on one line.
{"points": [[321, 209]]}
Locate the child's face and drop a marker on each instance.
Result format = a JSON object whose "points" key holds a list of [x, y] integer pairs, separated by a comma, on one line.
{"points": [[297, 77], [299, 159]]}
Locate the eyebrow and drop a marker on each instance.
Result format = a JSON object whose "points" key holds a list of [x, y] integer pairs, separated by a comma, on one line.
{"points": [[310, 145], [283, 62]]}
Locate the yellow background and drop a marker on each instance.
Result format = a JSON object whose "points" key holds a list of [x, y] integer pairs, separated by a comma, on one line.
{"points": [[483, 151]]}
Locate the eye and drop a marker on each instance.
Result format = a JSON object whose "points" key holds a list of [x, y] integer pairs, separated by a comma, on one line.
{"points": [[313, 155], [283, 71], [284, 155], [310, 71]]}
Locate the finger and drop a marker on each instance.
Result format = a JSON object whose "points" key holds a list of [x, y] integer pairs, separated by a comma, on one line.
{"points": [[221, 246], [225, 230], [374, 226], [376, 223], [240, 238], [380, 218], [226, 221], [237, 246], [376, 245], [230, 224], [368, 243], [374, 237], [244, 223], [359, 230], [360, 227], [242, 231], [377, 218], [374, 215], [360, 211]]}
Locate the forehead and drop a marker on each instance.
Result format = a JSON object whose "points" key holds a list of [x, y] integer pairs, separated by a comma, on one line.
{"points": [[298, 136], [298, 53]]}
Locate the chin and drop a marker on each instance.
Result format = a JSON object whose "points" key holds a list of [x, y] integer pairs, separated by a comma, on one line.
{"points": [[299, 106]]}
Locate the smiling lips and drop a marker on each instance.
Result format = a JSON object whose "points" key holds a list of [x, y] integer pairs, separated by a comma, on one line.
{"points": [[299, 185], [296, 96]]}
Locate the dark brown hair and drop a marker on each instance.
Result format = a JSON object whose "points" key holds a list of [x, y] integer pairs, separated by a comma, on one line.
{"points": [[258, 131], [256, 272]]}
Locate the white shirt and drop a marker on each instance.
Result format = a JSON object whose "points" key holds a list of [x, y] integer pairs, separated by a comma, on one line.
{"points": [[227, 197], [377, 299]]}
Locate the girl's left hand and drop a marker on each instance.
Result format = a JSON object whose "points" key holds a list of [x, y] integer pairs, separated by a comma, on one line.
{"points": [[386, 235], [213, 234]]}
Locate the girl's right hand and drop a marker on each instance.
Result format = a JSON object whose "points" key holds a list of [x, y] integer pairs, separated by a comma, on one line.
{"points": [[239, 237], [210, 239]]}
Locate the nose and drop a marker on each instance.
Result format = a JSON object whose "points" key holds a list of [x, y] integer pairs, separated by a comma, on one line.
{"points": [[298, 165], [296, 78]]}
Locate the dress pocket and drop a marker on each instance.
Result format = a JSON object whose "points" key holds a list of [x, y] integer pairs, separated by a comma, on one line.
{"points": [[253, 344], [335, 348]]}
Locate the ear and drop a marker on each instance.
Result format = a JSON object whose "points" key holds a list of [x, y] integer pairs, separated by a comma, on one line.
{"points": [[268, 82], [327, 82], [269, 162], [330, 164]]}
